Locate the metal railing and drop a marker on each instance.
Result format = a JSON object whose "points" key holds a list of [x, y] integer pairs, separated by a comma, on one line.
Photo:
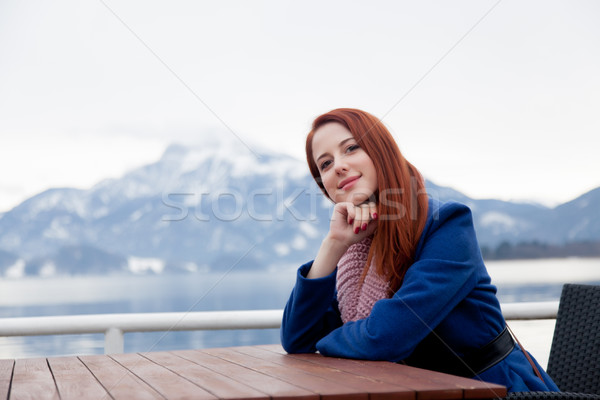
{"points": [[114, 326]]}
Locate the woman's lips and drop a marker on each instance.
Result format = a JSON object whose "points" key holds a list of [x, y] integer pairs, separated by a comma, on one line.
{"points": [[348, 183]]}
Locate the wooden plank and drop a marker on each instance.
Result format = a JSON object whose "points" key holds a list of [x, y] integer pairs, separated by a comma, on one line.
{"points": [[32, 379], [376, 389], [387, 372], [221, 386], [276, 348], [312, 383], [117, 380], [74, 380], [264, 383], [164, 381], [471, 388], [6, 371]]}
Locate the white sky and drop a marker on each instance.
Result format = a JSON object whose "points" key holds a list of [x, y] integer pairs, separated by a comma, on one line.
{"points": [[506, 106]]}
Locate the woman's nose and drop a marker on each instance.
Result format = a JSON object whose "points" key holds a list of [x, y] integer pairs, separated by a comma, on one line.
{"points": [[341, 167]]}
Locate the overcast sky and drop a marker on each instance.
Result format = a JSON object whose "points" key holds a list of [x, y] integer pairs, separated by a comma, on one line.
{"points": [[494, 98]]}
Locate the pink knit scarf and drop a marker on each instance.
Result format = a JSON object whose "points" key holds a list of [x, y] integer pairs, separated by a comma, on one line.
{"points": [[355, 297]]}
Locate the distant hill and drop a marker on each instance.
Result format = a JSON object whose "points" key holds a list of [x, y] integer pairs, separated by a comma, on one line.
{"points": [[219, 206]]}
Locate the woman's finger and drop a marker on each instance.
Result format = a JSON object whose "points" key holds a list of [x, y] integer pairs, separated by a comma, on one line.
{"points": [[373, 210], [351, 213], [365, 214], [358, 219]]}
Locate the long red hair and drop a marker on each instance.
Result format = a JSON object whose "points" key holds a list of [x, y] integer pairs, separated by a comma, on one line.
{"points": [[401, 196]]}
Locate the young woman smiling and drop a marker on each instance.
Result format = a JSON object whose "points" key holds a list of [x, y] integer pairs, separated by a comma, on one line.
{"points": [[399, 276]]}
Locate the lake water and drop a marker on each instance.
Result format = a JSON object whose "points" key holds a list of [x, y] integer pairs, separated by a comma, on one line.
{"points": [[517, 281]]}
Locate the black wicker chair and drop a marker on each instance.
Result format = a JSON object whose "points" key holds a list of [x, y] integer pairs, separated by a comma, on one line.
{"points": [[574, 362]]}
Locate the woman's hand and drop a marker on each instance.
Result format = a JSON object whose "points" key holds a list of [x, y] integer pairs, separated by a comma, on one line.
{"points": [[349, 224]]}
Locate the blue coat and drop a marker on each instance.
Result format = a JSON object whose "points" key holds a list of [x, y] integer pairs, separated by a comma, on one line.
{"points": [[447, 288]]}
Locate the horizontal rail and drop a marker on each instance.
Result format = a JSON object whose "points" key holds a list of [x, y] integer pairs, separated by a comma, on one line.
{"points": [[114, 326], [530, 310], [146, 322]]}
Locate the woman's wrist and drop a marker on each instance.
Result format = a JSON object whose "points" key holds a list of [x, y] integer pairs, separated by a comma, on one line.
{"points": [[327, 258], [334, 245]]}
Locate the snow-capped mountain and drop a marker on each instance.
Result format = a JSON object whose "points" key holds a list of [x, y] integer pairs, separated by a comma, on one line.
{"points": [[197, 207], [221, 206]]}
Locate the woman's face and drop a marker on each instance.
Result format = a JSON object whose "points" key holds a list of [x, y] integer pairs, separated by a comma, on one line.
{"points": [[347, 172]]}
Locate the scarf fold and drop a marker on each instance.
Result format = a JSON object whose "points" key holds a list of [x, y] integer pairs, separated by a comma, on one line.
{"points": [[355, 296]]}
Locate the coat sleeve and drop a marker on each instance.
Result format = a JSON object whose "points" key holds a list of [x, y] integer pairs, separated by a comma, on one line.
{"points": [[310, 313], [443, 274]]}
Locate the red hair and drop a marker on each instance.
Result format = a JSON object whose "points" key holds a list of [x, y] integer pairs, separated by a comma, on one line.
{"points": [[401, 196]]}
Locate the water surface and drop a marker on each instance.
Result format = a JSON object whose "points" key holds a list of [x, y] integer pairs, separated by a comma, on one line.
{"points": [[528, 280]]}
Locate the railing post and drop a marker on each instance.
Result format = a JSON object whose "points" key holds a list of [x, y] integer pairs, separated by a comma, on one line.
{"points": [[113, 341]]}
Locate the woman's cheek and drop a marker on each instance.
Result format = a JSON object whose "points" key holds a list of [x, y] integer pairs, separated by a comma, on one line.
{"points": [[331, 188]]}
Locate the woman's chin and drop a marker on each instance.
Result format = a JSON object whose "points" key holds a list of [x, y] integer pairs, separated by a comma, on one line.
{"points": [[355, 197]]}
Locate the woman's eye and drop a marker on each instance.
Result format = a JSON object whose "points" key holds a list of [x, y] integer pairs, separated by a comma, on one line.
{"points": [[325, 164], [352, 147]]}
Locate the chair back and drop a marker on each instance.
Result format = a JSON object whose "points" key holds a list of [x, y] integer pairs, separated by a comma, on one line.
{"points": [[574, 362]]}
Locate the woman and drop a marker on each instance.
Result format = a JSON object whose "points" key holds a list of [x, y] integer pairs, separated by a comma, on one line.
{"points": [[399, 276]]}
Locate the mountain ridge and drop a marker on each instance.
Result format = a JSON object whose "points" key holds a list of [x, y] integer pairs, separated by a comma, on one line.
{"points": [[214, 205]]}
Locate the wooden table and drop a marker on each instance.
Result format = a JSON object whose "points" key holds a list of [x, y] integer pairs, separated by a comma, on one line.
{"points": [[252, 372]]}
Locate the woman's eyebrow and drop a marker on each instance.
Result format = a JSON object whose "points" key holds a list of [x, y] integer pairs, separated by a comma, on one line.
{"points": [[341, 144]]}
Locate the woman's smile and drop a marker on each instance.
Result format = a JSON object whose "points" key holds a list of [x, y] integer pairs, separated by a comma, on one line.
{"points": [[348, 183]]}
